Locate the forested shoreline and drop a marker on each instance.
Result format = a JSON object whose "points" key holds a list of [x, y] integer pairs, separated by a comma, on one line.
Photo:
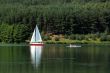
{"points": [[18, 18]]}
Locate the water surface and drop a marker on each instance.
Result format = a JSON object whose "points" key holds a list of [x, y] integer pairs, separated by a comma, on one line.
{"points": [[55, 59]]}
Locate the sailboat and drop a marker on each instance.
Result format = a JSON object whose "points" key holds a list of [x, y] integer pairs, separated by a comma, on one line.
{"points": [[36, 39]]}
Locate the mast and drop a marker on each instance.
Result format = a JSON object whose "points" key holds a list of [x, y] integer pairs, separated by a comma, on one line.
{"points": [[35, 33]]}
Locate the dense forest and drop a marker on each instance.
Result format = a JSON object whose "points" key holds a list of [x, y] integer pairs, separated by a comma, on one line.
{"points": [[19, 17], [46, 2]]}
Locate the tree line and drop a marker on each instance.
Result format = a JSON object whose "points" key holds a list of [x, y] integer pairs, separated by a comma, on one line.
{"points": [[46, 2], [69, 18], [13, 33]]}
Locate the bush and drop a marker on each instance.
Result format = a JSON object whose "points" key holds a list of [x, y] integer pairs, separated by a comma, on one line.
{"points": [[108, 38], [6, 32], [66, 36], [72, 37], [13, 33], [103, 37], [77, 37], [81, 37], [57, 38], [46, 37]]}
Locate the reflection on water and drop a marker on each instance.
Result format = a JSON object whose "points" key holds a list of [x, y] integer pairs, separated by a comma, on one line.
{"points": [[55, 59], [36, 52]]}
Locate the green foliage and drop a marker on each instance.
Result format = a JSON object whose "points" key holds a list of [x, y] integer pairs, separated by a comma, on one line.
{"points": [[13, 33], [108, 37], [46, 37], [55, 16], [104, 37], [46, 2], [90, 37], [72, 37], [6, 32], [20, 33], [77, 37], [77, 18], [57, 38], [66, 36]]}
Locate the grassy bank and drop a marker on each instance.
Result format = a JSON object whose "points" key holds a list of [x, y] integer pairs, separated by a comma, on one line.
{"points": [[66, 41], [77, 39], [70, 42], [76, 42]]}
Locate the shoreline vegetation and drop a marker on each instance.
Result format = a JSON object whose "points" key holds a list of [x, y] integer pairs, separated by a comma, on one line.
{"points": [[76, 42], [77, 39], [99, 38], [69, 21], [22, 34], [58, 42]]}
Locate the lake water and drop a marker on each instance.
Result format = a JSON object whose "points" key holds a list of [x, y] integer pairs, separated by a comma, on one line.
{"points": [[55, 59]]}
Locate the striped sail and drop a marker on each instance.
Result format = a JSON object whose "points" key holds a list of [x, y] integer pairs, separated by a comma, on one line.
{"points": [[36, 37]]}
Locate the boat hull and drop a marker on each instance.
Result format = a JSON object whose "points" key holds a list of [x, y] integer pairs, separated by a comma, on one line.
{"points": [[37, 44]]}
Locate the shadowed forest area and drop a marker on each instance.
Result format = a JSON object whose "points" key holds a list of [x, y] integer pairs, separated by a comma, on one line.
{"points": [[67, 17]]}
